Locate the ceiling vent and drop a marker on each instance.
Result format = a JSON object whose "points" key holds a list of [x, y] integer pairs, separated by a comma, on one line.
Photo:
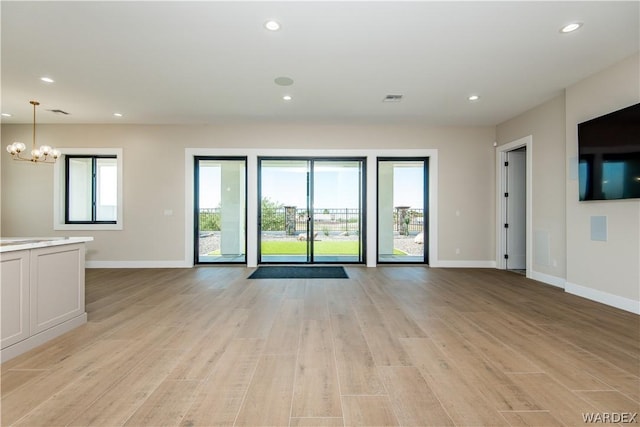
{"points": [[392, 98], [59, 112]]}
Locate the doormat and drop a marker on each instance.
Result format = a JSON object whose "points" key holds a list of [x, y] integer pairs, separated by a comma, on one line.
{"points": [[299, 272]]}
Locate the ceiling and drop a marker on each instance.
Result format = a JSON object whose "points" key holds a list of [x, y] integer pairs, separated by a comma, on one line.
{"points": [[210, 62]]}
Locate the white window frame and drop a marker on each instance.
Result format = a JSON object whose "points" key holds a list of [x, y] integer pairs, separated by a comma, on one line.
{"points": [[59, 189]]}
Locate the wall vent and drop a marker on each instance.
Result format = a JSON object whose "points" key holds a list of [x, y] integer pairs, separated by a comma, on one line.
{"points": [[392, 98]]}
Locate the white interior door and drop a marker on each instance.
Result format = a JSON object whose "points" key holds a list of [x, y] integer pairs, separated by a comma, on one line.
{"points": [[516, 210]]}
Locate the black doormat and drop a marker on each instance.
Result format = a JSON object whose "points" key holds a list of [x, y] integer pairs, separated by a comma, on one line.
{"points": [[299, 272]]}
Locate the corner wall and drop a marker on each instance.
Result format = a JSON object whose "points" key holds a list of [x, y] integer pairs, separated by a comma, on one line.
{"points": [[546, 125], [607, 272]]}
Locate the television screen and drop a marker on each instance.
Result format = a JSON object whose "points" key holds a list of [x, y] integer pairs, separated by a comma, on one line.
{"points": [[609, 156]]}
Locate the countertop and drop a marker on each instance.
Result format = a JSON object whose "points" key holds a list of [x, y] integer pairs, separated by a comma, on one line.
{"points": [[9, 244]]}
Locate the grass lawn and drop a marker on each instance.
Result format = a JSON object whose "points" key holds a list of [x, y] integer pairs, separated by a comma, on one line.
{"points": [[321, 247]]}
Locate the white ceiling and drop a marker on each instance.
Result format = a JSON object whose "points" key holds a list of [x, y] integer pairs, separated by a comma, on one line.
{"points": [[206, 62]]}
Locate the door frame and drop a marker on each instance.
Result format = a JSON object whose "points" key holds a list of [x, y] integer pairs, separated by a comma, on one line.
{"points": [[196, 199], [310, 206], [186, 259], [425, 208], [501, 180]]}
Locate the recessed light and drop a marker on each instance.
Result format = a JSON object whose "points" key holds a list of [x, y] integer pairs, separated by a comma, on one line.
{"points": [[6, 115], [473, 97], [117, 114], [287, 98], [47, 79], [569, 28], [272, 25]]}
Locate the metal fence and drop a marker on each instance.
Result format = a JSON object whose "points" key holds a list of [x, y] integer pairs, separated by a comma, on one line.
{"points": [[293, 220], [408, 221]]}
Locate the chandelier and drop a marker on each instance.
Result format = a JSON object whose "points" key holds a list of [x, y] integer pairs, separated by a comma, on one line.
{"points": [[44, 154]]}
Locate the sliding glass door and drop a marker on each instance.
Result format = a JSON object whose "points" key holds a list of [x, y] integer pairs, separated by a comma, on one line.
{"points": [[311, 210], [403, 214], [337, 211], [284, 210], [220, 209]]}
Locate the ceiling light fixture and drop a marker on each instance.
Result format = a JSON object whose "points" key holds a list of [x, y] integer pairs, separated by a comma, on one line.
{"points": [[47, 79], [44, 154], [283, 81], [6, 115], [117, 114], [287, 98], [569, 28], [473, 98], [272, 25]]}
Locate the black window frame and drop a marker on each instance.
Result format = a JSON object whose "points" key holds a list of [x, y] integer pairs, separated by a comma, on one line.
{"points": [[94, 158]]}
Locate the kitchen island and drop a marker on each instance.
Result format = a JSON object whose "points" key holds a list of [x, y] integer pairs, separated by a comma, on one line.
{"points": [[42, 291]]}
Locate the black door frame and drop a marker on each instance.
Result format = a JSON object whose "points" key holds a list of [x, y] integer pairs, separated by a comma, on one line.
{"points": [[310, 228], [196, 207], [425, 208]]}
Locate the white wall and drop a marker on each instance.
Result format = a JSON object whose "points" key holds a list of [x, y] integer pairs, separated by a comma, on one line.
{"points": [[609, 271], [606, 271], [154, 180], [546, 125]]}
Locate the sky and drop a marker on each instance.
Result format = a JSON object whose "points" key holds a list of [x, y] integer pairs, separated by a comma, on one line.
{"points": [[334, 186]]}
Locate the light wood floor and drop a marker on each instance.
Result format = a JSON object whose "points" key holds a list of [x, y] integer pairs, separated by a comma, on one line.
{"points": [[390, 346]]}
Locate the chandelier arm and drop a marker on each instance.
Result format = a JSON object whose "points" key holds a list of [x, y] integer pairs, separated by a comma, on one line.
{"points": [[34, 103]]}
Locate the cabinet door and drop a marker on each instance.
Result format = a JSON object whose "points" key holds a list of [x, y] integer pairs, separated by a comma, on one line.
{"points": [[57, 285], [14, 297]]}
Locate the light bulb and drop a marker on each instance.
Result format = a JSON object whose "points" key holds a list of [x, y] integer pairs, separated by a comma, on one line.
{"points": [[272, 25], [19, 146], [11, 149], [35, 153], [45, 149], [571, 27], [55, 153]]}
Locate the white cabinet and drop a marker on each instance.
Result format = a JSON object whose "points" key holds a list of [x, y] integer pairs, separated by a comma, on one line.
{"points": [[57, 285], [42, 294], [14, 297]]}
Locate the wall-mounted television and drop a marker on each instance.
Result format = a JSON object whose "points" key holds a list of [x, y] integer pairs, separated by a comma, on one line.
{"points": [[609, 156]]}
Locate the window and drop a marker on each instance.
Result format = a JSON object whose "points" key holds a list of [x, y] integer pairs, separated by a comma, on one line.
{"points": [[91, 187], [88, 191]]}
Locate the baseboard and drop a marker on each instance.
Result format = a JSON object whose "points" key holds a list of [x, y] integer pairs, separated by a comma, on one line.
{"points": [[548, 279], [463, 264], [34, 341], [137, 264], [616, 301]]}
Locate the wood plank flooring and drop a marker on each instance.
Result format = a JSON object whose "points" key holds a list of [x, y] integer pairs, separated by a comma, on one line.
{"points": [[409, 346]]}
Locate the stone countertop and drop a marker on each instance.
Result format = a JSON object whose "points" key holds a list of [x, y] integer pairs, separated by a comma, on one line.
{"points": [[9, 244]]}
